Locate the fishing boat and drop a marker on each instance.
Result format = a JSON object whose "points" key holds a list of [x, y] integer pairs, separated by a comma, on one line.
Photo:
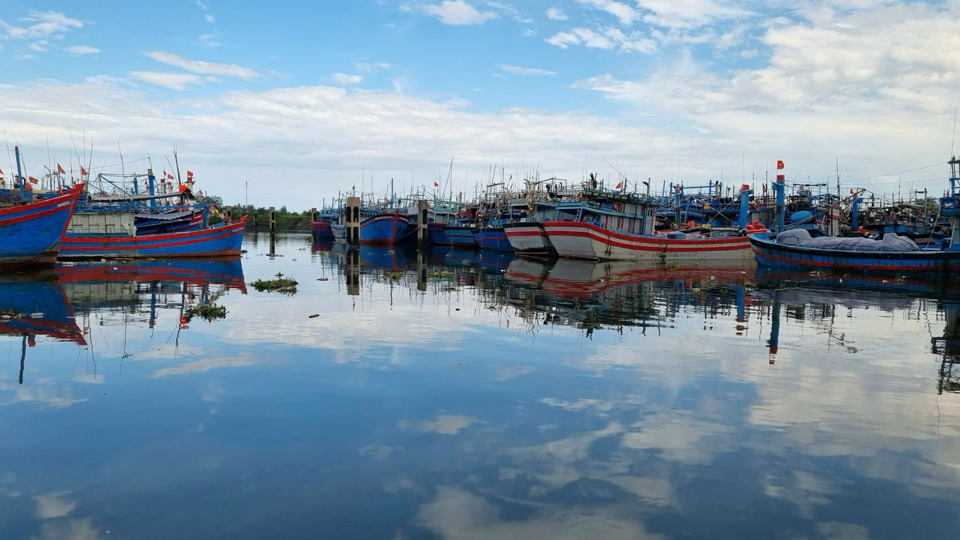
{"points": [[216, 241], [460, 236], [106, 227], [492, 238], [322, 227], [169, 221], [788, 248], [31, 232], [610, 225], [377, 228]]}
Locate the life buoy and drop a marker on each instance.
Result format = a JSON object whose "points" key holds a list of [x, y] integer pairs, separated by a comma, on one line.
{"points": [[618, 206]]}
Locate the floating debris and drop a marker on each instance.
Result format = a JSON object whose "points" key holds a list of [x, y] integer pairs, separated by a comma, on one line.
{"points": [[207, 312], [314, 315], [281, 285]]}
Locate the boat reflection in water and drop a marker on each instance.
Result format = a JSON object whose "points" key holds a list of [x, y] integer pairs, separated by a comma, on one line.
{"points": [[36, 307], [131, 286], [60, 305]]}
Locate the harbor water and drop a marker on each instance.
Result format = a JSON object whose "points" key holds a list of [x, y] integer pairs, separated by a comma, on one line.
{"points": [[463, 394]]}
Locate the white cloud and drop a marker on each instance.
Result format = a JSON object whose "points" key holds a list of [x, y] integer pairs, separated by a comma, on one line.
{"points": [[370, 67], [200, 66], [688, 13], [458, 12], [345, 79], [518, 70], [556, 14], [82, 49], [625, 13], [46, 24], [608, 39], [175, 81], [39, 46]]}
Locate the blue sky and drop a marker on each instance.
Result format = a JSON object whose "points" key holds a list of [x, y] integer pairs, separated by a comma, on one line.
{"points": [[313, 92]]}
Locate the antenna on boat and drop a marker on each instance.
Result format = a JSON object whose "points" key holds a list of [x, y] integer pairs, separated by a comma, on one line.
{"points": [[954, 130], [176, 162], [123, 170]]}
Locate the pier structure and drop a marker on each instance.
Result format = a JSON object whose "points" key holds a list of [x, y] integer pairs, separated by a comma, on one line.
{"points": [[353, 220]]}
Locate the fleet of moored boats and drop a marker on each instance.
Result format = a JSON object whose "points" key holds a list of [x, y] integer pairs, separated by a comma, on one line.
{"points": [[680, 227], [143, 216]]}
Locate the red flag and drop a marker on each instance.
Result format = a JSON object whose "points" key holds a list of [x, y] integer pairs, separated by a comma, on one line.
{"points": [[620, 184], [779, 164], [170, 177], [164, 173], [60, 169], [189, 174], [1, 173], [436, 184], [83, 172], [781, 178], [33, 180]]}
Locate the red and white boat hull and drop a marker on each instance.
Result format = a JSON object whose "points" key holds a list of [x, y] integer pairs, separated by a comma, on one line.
{"points": [[581, 240], [528, 239]]}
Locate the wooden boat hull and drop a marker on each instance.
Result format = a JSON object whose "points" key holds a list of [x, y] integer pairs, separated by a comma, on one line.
{"points": [[460, 236], [220, 241], [529, 239], [32, 233], [772, 255], [580, 240], [322, 230], [147, 224], [493, 239], [438, 234], [385, 229]]}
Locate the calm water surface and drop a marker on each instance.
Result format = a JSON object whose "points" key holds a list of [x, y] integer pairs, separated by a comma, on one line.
{"points": [[458, 395]]}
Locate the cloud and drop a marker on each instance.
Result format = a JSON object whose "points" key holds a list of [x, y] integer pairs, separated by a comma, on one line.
{"points": [[345, 79], [625, 13], [370, 67], [556, 14], [174, 81], [517, 70], [688, 13], [458, 12], [82, 49], [457, 514], [608, 39], [39, 46], [444, 424], [54, 505], [46, 24], [204, 364], [200, 66]]}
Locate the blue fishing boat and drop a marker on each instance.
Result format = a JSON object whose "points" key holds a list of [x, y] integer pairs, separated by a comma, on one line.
{"points": [[322, 228], [384, 228], [460, 236], [218, 241], [31, 232], [788, 248], [493, 239], [438, 234], [170, 220]]}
